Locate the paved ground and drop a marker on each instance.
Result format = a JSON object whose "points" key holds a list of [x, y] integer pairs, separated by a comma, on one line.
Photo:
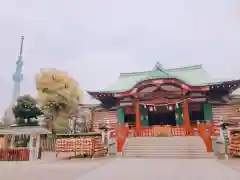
{"points": [[119, 169], [232, 163]]}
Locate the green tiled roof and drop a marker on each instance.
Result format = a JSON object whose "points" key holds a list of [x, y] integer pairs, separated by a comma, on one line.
{"points": [[192, 75]]}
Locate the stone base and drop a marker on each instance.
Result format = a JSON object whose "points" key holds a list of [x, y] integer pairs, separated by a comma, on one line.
{"points": [[119, 154]]}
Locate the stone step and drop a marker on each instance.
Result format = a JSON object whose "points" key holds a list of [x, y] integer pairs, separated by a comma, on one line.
{"points": [[165, 141], [166, 147], [159, 144], [163, 147], [193, 156], [166, 150], [172, 138], [166, 153], [165, 144]]}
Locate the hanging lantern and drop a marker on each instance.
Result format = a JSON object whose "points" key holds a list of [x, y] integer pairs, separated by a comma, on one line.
{"points": [[170, 108], [176, 105], [176, 116], [154, 108], [144, 106], [150, 108]]}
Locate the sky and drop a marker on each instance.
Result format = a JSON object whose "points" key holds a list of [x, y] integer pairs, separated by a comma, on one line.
{"points": [[95, 40]]}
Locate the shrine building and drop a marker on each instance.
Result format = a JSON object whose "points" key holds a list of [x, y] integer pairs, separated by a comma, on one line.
{"points": [[181, 96]]}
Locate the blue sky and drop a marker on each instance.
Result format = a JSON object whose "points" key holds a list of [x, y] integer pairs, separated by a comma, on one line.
{"points": [[95, 40]]}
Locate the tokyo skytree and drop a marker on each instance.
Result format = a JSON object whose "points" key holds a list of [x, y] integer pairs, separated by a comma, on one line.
{"points": [[17, 79]]}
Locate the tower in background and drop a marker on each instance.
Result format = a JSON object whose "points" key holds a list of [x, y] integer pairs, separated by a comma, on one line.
{"points": [[18, 75], [17, 79]]}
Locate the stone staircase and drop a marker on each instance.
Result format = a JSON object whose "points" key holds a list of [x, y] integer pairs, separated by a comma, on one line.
{"points": [[166, 147]]}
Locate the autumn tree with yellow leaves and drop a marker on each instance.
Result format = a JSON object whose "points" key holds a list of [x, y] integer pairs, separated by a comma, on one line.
{"points": [[58, 96]]}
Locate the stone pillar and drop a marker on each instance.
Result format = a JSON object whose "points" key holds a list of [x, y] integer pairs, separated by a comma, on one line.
{"points": [[12, 141], [30, 146], [37, 145]]}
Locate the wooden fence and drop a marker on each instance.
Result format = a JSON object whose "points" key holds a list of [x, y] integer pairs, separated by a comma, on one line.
{"points": [[48, 144], [14, 154]]}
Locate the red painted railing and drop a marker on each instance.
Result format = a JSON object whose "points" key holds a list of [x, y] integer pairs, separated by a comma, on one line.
{"points": [[14, 154], [145, 131], [122, 134], [205, 131], [161, 130], [178, 131]]}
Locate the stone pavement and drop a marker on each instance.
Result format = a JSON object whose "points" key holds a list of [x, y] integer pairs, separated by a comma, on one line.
{"points": [[233, 163], [166, 169], [49, 170], [119, 169]]}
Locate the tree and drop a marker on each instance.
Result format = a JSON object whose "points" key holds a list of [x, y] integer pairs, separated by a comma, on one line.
{"points": [[59, 96], [79, 121], [26, 110]]}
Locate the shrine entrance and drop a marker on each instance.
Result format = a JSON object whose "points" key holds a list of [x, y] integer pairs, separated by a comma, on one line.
{"points": [[161, 115]]}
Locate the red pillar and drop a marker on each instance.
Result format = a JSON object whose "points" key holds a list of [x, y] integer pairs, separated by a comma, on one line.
{"points": [[138, 117], [186, 119]]}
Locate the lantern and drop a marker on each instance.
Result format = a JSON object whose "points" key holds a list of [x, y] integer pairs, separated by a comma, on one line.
{"points": [[154, 108], [176, 105], [170, 108], [150, 108], [176, 116]]}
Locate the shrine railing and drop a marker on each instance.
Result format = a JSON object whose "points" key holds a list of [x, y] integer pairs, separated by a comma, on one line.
{"points": [[161, 131], [14, 154], [205, 132], [122, 134], [145, 131]]}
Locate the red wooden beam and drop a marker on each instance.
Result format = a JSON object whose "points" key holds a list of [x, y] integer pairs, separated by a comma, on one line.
{"points": [[157, 94], [166, 101]]}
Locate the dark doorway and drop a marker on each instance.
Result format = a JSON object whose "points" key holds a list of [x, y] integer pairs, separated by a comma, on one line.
{"points": [[196, 113], [162, 116], [130, 119]]}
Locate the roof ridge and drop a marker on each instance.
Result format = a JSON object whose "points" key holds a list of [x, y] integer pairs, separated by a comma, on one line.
{"points": [[134, 73], [199, 66]]}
